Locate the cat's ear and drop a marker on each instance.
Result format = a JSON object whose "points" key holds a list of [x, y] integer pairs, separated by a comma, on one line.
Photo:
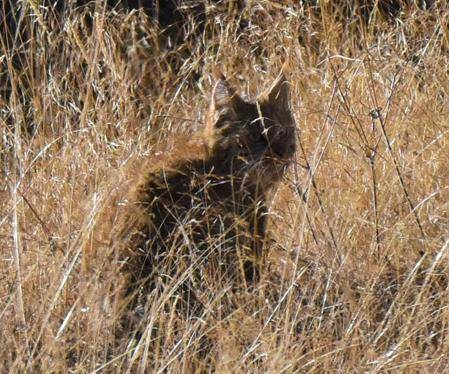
{"points": [[225, 99], [224, 110], [278, 95]]}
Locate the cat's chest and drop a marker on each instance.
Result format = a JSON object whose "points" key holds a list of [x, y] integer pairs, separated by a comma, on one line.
{"points": [[213, 204]]}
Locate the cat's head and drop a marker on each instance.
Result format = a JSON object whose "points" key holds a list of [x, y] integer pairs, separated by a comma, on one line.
{"points": [[256, 140]]}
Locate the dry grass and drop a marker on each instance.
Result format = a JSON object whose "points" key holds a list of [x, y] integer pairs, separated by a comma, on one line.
{"points": [[357, 276]]}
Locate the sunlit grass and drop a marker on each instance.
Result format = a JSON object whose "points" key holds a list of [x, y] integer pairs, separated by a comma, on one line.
{"points": [[356, 276]]}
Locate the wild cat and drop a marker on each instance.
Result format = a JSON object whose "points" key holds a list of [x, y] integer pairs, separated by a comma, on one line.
{"points": [[209, 210]]}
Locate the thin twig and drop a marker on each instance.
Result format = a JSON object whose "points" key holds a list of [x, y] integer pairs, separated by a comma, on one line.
{"points": [[375, 113], [372, 160], [33, 210], [401, 179], [297, 189], [395, 161], [318, 196], [17, 176]]}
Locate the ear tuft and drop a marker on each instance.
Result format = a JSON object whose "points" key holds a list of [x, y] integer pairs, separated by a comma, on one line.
{"points": [[223, 94], [225, 99]]}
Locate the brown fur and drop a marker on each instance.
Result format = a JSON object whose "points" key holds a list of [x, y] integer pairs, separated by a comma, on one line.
{"points": [[211, 208]]}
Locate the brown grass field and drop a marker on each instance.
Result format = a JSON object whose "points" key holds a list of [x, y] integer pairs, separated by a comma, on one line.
{"points": [[356, 277]]}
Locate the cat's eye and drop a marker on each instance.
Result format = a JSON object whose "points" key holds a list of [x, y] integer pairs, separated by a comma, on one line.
{"points": [[282, 132], [257, 137]]}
